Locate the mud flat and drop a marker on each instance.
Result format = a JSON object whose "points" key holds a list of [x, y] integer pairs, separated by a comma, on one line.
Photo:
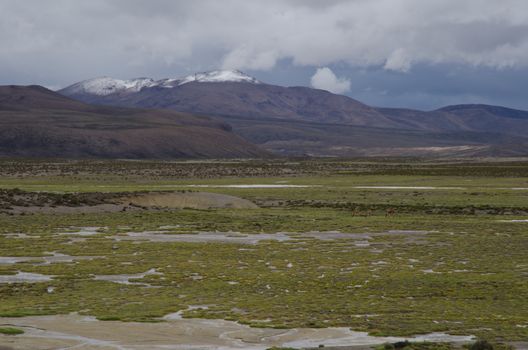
{"points": [[75, 331], [254, 238], [252, 186], [409, 188], [195, 200], [84, 231], [126, 279], [45, 260], [26, 277], [202, 237]]}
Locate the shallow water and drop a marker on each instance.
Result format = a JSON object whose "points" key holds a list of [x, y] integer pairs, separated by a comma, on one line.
{"points": [[254, 238], [25, 277], [252, 186], [179, 315], [84, 231], [81, 332], [202, 237], [125, 279], [410, 188], [45, 260]]}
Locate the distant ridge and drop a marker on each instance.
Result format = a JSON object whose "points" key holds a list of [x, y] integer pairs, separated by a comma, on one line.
{"points": [[37, 122], [498, 111]]}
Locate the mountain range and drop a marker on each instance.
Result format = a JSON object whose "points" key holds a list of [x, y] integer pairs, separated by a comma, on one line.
{"points": [[228, 114], [306, 121]]}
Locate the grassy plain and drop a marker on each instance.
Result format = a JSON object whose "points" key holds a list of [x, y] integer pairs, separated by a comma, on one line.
{"points": [[467, 274]]}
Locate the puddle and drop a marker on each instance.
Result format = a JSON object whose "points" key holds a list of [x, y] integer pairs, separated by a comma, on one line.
{"points": [[20, 235], [25, 277], [6, 260], [74, 331], [202, 237], [410, 187], [254, 238], [169, 227], [45, 260], [346, 337], [84, 231], [179, 315], [252, 186], [125, 279], [515, 220]]}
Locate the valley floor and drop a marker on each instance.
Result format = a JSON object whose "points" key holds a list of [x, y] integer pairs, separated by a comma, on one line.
{"points": [[333, 252]]}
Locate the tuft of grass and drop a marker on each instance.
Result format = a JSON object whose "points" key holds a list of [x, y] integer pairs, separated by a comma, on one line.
{"points": [[10, 331]]}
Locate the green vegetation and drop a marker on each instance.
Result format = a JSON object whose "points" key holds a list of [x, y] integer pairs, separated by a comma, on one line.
{"points": [[406, 345], [465, 273], [10, 331]]}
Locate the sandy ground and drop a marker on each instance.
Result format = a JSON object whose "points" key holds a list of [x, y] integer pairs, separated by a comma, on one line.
{"points": [[141, 201], [361, 239], [78, 332], [195, 200], [253, 186]]}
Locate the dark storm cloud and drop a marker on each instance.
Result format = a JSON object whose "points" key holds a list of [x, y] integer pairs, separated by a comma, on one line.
{"points": [[57, 42]]}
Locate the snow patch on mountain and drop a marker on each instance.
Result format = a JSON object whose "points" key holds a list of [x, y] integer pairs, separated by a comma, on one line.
{"points": [[104, 86], [219, 76]]}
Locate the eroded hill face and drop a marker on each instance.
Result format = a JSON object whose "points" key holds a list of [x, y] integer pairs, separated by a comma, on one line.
{"points": [[36, 122]]}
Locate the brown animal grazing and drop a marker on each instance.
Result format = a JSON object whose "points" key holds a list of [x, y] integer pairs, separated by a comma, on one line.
{"points": [[390, 212]]}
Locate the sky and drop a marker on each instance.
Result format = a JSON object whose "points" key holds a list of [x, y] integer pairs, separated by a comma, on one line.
{"points": [[402, 53]]}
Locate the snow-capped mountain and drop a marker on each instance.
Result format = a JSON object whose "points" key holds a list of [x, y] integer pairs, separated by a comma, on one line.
{"points": [[300, 120], [105, 86]]}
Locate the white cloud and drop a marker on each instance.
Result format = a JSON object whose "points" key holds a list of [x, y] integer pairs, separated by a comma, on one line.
{"points": [[325, 79], [246, 58], [398, 61]]}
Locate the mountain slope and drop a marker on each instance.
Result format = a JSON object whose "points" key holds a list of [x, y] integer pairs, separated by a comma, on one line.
{"points": [[469, 117], [232, 93], [319, 139], [37, 122], [240, 96], [298, 120], [13, 97], [480, 117]]}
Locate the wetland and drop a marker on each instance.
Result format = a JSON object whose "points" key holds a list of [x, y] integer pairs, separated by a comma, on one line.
{"points": [[341, 253]]}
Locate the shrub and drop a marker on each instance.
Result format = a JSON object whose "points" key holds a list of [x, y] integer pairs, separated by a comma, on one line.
{"points": [[481, 345]]}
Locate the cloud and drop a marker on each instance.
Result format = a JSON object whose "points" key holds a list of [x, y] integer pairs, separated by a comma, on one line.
{"points": [[398, 61], [325, 79], [61, 41], [246, 58]]}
